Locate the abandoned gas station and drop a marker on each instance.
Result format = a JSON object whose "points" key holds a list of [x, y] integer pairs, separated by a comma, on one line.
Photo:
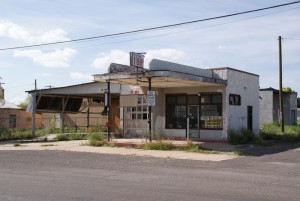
{"points": [[168, 100], [177, 101]]}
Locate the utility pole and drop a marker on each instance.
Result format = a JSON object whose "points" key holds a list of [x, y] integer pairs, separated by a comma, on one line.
{"points": [[280, 86]]}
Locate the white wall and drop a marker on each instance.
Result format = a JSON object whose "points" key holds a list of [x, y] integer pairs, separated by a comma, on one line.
{"points": [[266, 107], [247, 86]]}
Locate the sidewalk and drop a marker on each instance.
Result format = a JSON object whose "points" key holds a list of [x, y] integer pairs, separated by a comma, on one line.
{"points": [[81, 146]]}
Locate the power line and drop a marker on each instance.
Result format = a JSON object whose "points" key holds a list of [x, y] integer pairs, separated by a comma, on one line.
{"points": [[291, 38], [150, 29], [182, 31]]}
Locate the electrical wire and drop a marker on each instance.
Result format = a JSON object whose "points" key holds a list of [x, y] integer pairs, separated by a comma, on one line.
{"points": [[150, 29], [291, 38], [187, 30]]}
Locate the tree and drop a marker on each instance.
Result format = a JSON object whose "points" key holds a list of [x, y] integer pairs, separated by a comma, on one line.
{"points": [[24, 104], [298, 102], [287, 89]]}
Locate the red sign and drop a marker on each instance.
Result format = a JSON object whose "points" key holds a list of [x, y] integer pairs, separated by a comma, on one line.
{"points": [[136, 59]]}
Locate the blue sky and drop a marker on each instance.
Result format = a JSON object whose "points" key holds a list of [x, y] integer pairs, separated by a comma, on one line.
{"points": [[246, 42]]}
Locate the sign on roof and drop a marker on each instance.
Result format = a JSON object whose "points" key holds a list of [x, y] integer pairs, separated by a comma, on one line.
{"points": [[118, 68], [137, 59]]}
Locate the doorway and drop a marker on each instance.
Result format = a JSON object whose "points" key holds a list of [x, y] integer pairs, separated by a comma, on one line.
{"points": [[250, 118], [193, 115]]}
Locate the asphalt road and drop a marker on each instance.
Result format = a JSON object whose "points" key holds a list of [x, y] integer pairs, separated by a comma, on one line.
{"points": [[61, 175]]}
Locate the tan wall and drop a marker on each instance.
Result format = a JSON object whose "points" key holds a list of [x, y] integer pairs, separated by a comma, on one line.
{"points": [[23, 118], [80, 120]]}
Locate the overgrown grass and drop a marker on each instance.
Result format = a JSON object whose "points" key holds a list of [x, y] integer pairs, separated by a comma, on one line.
{"points": [[15, 134], [96, 140], [158, 145], [62, 137], [73, 136], [196, 148], [242, 136], [75, 133], [273, 132]]}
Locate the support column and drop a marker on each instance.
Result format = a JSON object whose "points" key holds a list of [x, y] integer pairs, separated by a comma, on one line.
{"points": [[150, 113], [107, 104], [62, 116], [33, 114]]}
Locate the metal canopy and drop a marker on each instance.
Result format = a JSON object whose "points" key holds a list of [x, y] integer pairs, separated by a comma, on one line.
{"points": [[160, 79], [68, 99]]}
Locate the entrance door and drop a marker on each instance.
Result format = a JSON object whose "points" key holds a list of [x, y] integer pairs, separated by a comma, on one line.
{"points": [[193, 114], [249, 118]]}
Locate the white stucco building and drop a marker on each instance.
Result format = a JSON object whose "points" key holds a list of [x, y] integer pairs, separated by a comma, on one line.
{"points": [[189, 102], [269, 106]]}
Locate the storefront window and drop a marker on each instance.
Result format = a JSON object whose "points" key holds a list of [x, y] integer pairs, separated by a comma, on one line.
{"points": [[211, 111], [176, 112]]}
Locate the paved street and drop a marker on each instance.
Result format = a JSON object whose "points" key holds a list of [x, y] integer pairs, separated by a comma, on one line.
{"points": [[61, 175]]}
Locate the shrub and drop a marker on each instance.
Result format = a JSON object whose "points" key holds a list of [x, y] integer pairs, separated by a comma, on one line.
{"points": [[96, 140], [159, 145], [61, 137], [242, 136]]}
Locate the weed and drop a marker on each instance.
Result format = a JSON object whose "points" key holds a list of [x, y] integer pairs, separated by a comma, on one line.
{"points": [[96, 140], [273, 132], [242, 136], [61, 137], [159, 145], [77, 136], [196, 148], [17, 145], [48, 145]]}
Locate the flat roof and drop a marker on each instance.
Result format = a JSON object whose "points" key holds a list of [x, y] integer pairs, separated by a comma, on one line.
{"points": [[163, 74]]}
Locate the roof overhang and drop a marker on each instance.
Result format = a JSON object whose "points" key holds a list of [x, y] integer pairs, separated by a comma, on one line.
{"points": [[160, 79]]}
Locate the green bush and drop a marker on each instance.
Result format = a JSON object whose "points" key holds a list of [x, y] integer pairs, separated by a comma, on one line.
{"points": [[242, 136], [96, 140], [159, 145]]}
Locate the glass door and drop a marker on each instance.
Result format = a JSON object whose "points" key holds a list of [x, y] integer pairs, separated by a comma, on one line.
{"points": [[193, 114]]}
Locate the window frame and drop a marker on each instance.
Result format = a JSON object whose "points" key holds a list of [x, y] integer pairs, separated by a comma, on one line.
{"points": [[219, 108]]}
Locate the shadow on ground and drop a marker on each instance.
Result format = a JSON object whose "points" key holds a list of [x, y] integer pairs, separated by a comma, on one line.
{"points": [[271, 148]]}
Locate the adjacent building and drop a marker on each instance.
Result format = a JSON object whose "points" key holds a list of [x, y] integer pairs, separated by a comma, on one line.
{"points": [[270, 108]]}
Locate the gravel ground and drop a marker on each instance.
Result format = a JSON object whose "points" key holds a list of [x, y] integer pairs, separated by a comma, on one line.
{"points": [[81, 146]]}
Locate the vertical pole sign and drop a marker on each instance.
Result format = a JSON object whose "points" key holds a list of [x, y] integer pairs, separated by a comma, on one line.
{"points": [[151, 98], [137, 60]]}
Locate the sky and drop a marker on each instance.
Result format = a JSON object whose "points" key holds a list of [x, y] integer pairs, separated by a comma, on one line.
{"points": [[246, 42]]}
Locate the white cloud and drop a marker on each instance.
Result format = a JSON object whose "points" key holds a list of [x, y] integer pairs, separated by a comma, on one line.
{"points": [[164, 54], [14, 31], [80, 76], [17, 32], [115, 56], [56, 59], [118, 56], [42, 75], [53, 36]]}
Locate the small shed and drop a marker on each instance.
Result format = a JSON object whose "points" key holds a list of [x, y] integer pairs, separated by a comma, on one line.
{"points": [[270, 108]]}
